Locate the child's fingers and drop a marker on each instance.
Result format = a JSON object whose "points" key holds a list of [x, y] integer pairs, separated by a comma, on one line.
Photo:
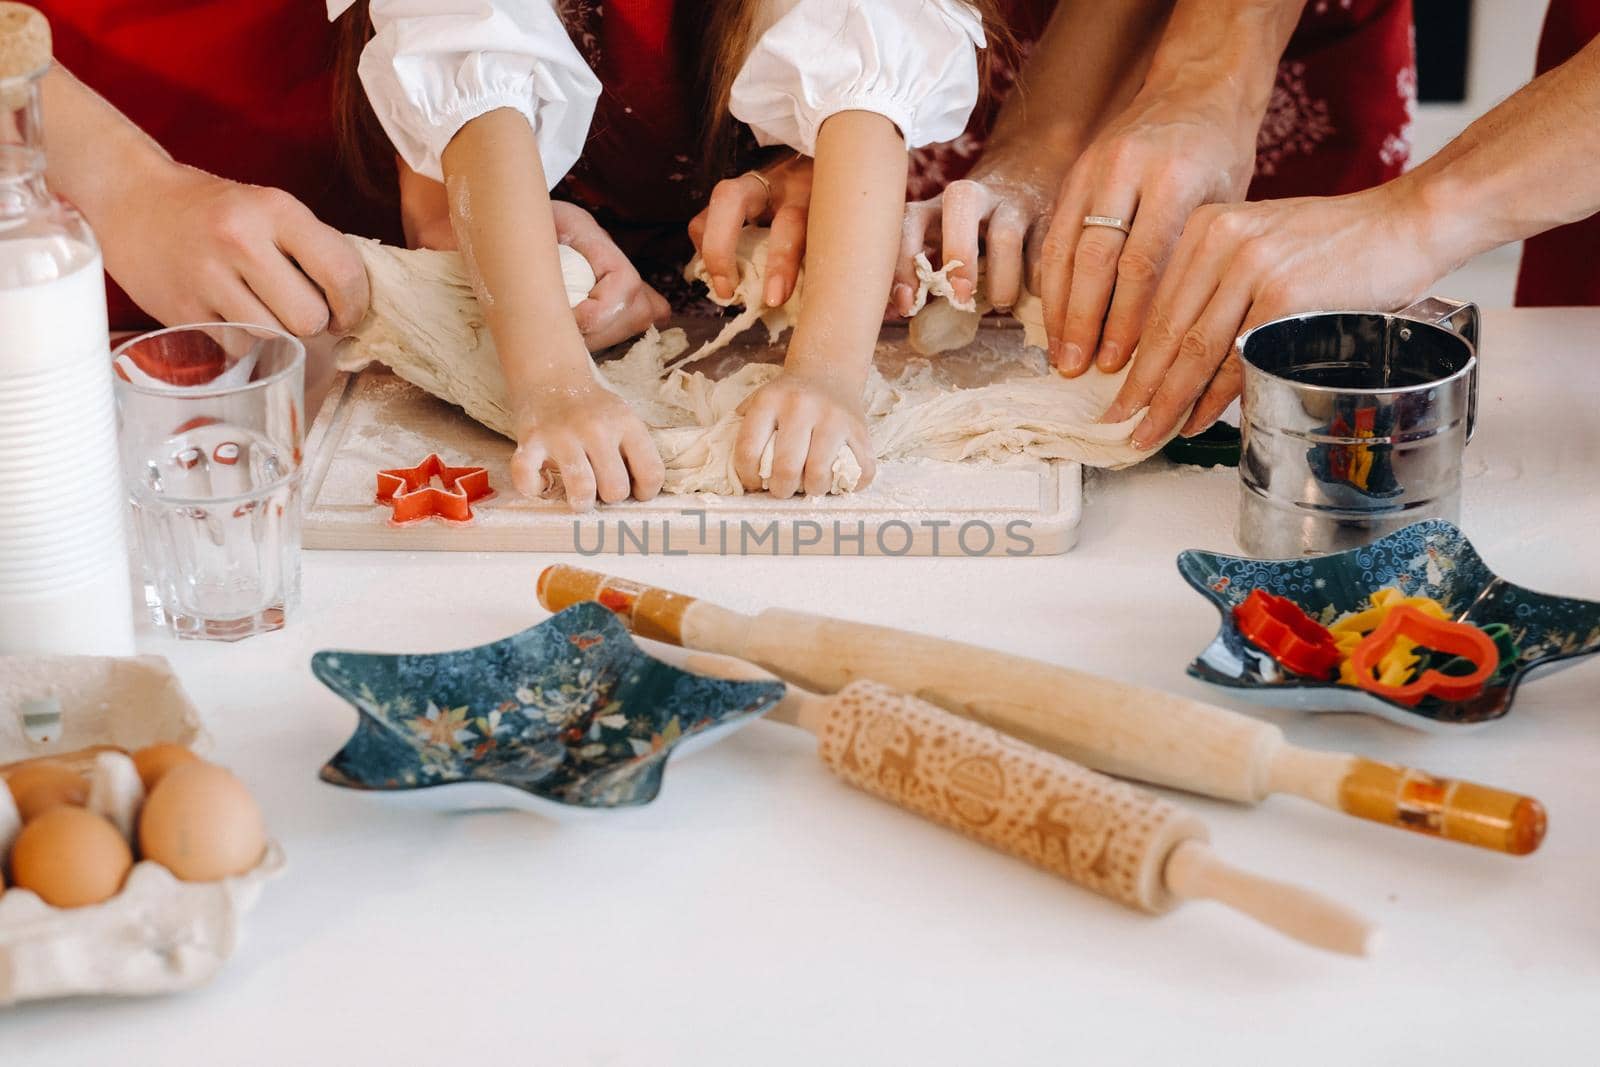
{"points": [[527, 468], [754, 433], [576, 474], [610, 473], [826, 441], [734, 202], [785, 249], [791, 444], [866, 459], [644, 462]]}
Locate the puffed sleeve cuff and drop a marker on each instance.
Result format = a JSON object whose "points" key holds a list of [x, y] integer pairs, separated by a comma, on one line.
{"points": [[429, 74], [915, 62]]}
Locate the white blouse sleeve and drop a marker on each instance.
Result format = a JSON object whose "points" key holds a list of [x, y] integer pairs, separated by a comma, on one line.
{"points": [[915, 62], [434, 65]]}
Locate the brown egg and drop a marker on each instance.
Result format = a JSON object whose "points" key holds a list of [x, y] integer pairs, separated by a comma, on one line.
{"points": [[71, 858], [38, 787], [202, 824], [154, 761]]}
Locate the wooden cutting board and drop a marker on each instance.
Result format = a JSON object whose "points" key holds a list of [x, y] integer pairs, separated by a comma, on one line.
{"points": [[372, 421]]}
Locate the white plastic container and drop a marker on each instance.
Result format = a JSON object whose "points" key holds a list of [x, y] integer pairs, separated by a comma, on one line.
{"points": [[64, 574]]}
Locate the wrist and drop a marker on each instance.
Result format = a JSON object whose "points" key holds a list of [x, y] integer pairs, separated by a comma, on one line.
{"points": [[1223, 55], [1433, 211]]}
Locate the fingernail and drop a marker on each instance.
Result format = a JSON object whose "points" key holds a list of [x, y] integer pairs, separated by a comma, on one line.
{"points": [[962, 288], [1073, 355], [774, 292], [903, 297], [1109, 355], [1141, 437], [719, 284]]}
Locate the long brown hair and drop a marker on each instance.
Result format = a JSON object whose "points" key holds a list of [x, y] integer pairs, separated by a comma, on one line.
{"points": [[364, 148], [731, 34]]}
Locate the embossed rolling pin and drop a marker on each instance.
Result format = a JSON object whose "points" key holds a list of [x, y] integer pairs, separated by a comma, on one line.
{"points": [[1115, 727], [1107, 836]]}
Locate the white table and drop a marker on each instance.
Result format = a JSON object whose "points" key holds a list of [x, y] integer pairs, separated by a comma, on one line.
{"points": [[763, 912]]}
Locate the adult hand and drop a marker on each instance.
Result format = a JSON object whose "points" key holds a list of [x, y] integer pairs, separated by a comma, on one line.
{"points": [[621, 304], [1240, 265], [1001, 202], [808, 415], [191, 247], [592, 440], [736, 202], [1170, 151]]}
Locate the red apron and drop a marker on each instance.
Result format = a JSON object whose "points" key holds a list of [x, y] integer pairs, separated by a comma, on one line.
{"points": [[1561, 268], [1339, 118], [1338, 121], [243, 90]]}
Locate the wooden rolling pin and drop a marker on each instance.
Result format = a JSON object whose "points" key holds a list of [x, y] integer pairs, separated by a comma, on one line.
{"points": [[1121, 729], [1119, 841]]}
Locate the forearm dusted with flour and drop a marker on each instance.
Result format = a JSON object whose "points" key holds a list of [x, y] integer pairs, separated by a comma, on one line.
{"points": [[857, 200], [500, 210], [1225, 50], [565, 419]]}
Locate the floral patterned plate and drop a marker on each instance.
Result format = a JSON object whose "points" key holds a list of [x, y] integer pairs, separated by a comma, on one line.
{"points": [[567, 714], [1433, 559]]}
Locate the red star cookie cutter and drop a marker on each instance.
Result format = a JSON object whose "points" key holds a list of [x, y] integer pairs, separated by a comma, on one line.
{"points": [[413, 496]]}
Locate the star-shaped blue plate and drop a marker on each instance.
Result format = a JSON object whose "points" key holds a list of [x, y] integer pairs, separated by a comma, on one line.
{"points": [[570, 712], [1432, 559]]}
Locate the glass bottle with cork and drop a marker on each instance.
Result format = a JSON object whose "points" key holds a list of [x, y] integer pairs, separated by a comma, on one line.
{"points": [[64, 575]]}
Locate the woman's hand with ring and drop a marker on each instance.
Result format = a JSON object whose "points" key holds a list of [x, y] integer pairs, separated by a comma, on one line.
{"points": [[1165, 155], [780, 197]]}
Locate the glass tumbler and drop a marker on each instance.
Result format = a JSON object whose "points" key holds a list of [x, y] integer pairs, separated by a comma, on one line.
{"points": [[210, 434]]}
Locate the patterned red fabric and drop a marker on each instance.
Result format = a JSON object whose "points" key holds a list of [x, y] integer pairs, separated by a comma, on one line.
{"points": [[1339, 118], [1561, 268], [243, 90]]}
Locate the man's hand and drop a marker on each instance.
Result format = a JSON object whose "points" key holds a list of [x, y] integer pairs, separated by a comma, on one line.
{"points": [[1240, 265]]}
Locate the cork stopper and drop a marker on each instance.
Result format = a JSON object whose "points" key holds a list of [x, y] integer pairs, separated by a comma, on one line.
{"points": [[24, 41]]}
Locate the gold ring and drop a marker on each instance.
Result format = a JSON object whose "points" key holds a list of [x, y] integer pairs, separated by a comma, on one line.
{"points": [[1107, 221], [762, 178]]}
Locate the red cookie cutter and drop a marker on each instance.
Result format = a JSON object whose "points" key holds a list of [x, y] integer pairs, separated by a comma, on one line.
{"points": [[414, 497], [1277, 626], [1457, 638]]}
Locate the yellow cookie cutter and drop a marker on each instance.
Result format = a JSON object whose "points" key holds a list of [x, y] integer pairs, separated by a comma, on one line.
{"points": [[1400, 661]]}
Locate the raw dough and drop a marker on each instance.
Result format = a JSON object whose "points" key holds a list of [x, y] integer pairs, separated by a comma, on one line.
{"points": [[425, 325]]}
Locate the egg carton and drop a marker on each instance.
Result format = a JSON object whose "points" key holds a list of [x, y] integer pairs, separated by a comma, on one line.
{"points": [[159, 934]]}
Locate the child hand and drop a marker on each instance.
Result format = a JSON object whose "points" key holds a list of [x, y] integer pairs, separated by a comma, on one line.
{"points": [[621, 305], [594, 442], [808, 415]]}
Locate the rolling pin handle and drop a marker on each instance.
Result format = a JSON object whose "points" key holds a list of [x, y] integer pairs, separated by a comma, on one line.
{"points": [[1195, 872]]}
